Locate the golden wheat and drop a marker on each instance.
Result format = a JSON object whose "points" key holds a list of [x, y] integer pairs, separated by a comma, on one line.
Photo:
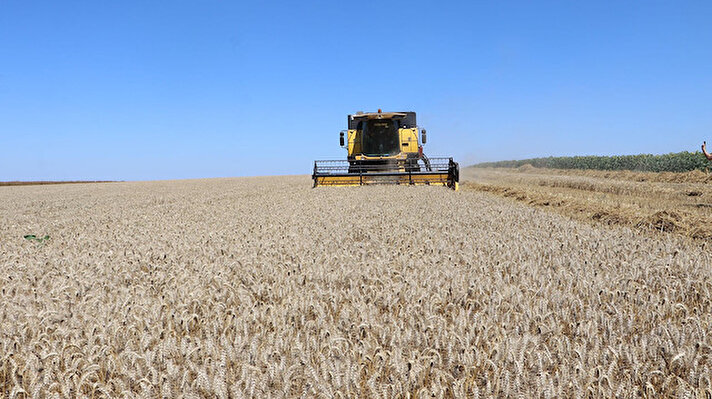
{"points": [[264, 287]]}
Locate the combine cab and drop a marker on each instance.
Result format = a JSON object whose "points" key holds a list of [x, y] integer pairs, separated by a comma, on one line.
{"points": [[385, 148]]}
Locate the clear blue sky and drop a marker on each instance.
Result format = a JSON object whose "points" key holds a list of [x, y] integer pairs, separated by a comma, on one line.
{"points": [[134, 90]]}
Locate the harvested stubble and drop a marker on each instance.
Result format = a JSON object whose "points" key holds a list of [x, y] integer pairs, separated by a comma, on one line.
{"points": [[695, 176], [264, 287], [660, 203]]}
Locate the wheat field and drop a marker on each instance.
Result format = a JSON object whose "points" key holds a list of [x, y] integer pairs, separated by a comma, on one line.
{"points": [[265, 287]]}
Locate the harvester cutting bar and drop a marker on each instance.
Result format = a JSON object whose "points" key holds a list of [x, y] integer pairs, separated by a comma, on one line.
{"points": [[432, 171]]}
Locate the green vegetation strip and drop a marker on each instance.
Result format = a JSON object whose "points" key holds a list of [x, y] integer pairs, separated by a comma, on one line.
{"points": [[32, 237], [673, 162]]}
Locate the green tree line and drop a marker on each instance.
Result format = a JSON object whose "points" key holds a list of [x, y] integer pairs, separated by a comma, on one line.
{"points": [[673, 162]]}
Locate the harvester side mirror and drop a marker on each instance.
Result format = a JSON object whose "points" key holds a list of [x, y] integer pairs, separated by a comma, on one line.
{"points": [[341, 139], [424, 137]]}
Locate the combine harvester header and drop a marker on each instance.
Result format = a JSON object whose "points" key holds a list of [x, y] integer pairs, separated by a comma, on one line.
{"points": [[385, 148]]}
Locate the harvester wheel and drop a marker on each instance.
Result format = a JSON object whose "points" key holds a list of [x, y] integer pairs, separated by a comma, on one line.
{"points": [[411, 165]]}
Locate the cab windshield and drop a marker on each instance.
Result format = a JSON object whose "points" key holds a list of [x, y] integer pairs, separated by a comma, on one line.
{"points": [[380, 137]]}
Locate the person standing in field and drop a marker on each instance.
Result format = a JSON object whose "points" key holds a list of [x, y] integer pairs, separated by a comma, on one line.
{"points": [[704, 151]]}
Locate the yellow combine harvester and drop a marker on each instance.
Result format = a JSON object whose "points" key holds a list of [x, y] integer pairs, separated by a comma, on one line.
{"points": [[385, 148]]}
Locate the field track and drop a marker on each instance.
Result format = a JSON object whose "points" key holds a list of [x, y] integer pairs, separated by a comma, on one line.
{"points": [[265, 287]]}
